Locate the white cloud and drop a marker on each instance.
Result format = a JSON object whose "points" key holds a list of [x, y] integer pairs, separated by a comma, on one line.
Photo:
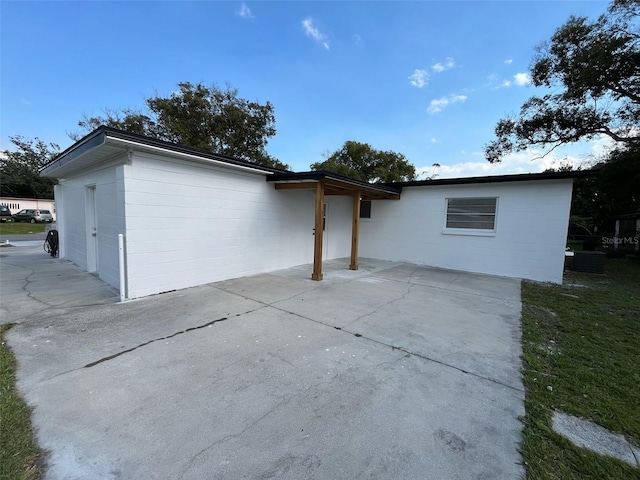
{"points": [[357, 39], [245, 11], [522, 79], [439, 104], [529, 161], [311, 31], [508, 61], [441, 67], [494, 83], [434, 140], [419, 78]]}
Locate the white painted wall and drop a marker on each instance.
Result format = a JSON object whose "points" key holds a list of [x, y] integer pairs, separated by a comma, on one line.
{"points": [[530, 239], [337, 242], [72, 222], [16, 204], [190, 224]]}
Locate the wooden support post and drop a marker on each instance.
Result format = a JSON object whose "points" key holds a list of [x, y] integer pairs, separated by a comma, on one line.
{"points": [[318, 232], [355, 231]]}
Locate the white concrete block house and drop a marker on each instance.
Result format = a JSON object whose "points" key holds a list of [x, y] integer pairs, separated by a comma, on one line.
{"points": [[189, 217]]}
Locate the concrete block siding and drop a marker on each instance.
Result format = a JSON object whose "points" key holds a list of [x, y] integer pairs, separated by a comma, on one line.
{"points": [[191, 218], [529, 241], [72, 221], [191, 224]]}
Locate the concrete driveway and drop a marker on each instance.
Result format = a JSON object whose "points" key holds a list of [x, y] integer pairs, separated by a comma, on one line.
{"points": [[393, 371]]}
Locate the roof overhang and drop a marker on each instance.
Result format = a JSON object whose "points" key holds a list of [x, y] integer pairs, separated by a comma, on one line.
{"points": [[106, 144], [522, 177], [334, 184]]}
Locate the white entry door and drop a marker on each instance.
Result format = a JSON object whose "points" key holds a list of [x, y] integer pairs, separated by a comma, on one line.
{"points": [[92, 229]]}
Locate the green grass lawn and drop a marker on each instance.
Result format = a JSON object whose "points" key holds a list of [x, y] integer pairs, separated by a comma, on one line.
{"points": [[13, 228], [19, 453], [581, 345]]}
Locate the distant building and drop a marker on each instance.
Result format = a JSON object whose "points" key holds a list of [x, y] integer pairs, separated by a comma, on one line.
{"points": [[16, 204]]}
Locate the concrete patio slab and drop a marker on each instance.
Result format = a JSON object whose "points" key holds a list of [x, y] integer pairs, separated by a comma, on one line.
{"points": [[385, 372]]}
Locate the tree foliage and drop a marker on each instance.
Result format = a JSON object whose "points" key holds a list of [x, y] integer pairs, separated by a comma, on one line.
{"points": [[19, 169], [361, 161], [592, 69], [208, 118], [614, 191]]}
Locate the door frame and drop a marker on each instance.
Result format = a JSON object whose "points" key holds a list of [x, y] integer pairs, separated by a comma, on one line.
{"points": [[91, 223]]}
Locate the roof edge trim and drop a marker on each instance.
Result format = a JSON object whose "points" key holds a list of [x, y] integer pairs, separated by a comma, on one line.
{"points": [[203, 159], [82, 146], [519, 177]]}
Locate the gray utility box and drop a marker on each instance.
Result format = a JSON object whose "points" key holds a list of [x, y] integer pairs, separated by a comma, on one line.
{"points": [[590, 262]]}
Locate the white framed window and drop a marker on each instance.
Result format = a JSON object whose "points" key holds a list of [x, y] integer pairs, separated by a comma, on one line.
{"points": [[471, 216]]}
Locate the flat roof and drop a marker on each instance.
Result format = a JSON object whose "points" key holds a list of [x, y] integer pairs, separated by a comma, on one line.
{"points": [[84, 148], [520, 177]]}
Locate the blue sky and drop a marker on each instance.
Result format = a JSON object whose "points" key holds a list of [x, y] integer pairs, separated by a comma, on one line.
{"points": [[424, 78]]}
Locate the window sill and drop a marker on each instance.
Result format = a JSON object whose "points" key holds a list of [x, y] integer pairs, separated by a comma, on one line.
{"points": [[469, 232]]}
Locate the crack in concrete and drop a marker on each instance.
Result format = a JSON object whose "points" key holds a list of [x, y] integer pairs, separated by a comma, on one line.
{"points": [[440, 362], [48, 306], [29, 293], [213, 285], [115, 355], [381, 306], [446, 288], [129, 350], [355, 334], [393, 347]]}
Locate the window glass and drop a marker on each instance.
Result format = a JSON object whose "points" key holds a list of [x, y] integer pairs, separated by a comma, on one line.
{"points": [[365, 209], [471, 213]]}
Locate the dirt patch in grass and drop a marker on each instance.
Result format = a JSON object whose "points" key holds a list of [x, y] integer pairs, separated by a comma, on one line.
{"points": [[20, 456], [581, 345]]}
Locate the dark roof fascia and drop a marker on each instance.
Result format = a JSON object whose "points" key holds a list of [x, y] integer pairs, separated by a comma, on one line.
{"points": [[521, 177], [86, 143], [100, 135], [317, 175], [154, 142]]}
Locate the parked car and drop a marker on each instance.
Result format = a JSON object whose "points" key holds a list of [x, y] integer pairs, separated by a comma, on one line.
{"points": [[5, 214], [33, 216]]}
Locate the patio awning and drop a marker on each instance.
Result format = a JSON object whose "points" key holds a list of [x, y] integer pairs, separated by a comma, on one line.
{"points": [[327, 183], [334, 184]]}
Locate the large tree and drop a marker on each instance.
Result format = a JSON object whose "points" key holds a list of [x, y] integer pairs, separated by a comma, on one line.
{"points": [[19, 168], [614, 191], [361, 161], [592, 71], [208, 118]]}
